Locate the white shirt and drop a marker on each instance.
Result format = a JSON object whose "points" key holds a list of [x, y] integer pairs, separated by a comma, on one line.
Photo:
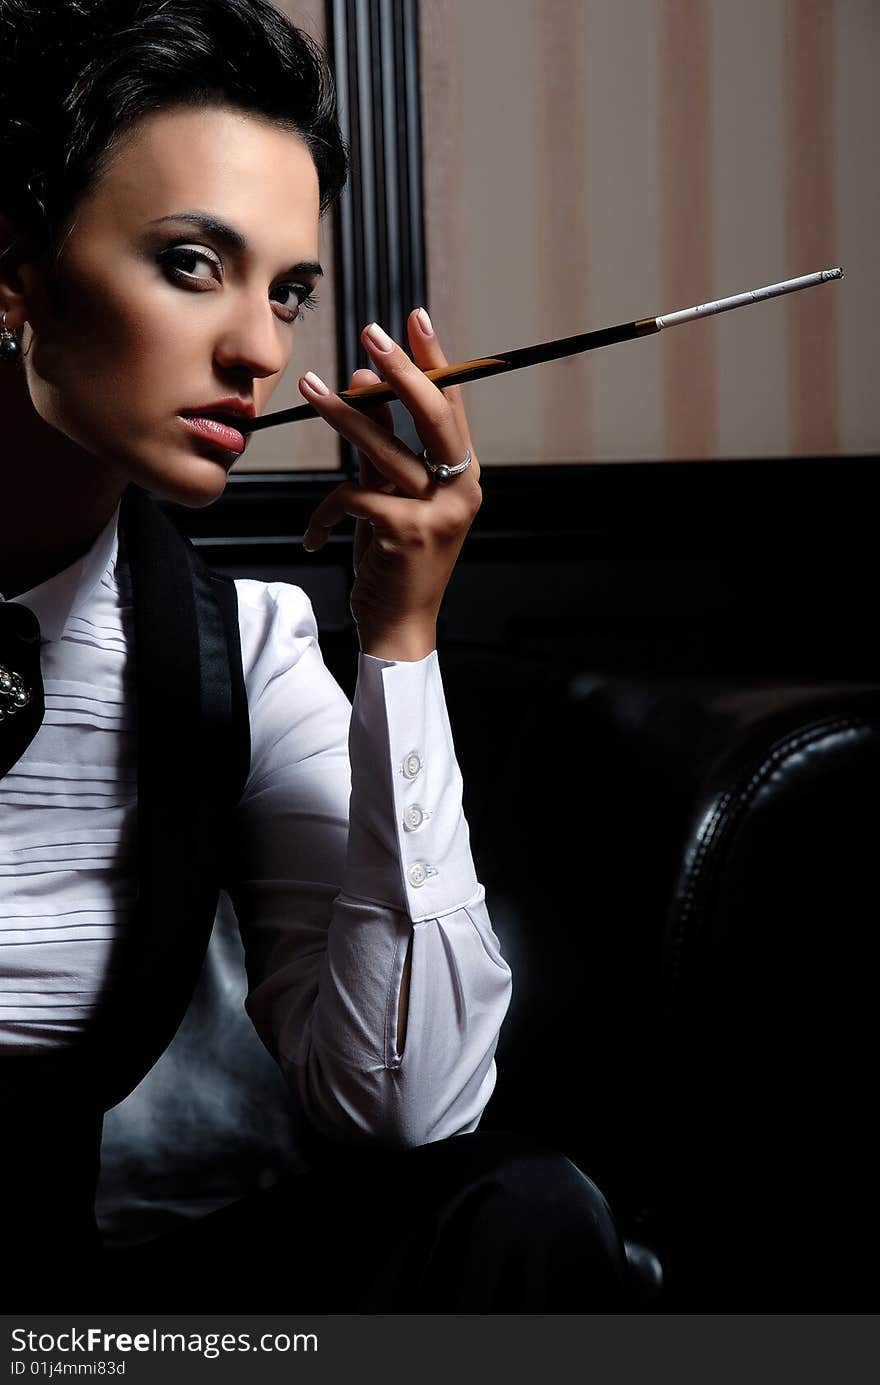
{"points": [[350, 837]]}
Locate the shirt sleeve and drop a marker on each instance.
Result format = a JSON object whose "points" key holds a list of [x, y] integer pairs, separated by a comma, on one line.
{"points": [[350, 840]]}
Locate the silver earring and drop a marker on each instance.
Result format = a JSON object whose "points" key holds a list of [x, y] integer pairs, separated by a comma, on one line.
{"points": [[10, 347]]}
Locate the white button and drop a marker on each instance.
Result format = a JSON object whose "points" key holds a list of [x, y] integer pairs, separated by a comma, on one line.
{"points": [[417, 875], [414, 817], [412, 765]]}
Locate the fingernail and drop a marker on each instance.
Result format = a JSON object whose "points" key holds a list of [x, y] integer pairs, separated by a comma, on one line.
{"points": [[315, 382], [378, 338], [425, 322], [308, 542]]}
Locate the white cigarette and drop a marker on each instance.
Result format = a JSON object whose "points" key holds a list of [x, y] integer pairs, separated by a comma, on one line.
{"points": [[739, 300]]}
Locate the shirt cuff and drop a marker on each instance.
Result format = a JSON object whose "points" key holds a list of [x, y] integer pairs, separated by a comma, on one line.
{"points": [[409, 842]]}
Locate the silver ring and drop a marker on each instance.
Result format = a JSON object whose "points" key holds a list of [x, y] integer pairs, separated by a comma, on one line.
{"points": [[442, 473]]}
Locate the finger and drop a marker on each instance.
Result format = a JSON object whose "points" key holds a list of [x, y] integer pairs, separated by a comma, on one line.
{"points": [[428, 355], [385, 512], [368, 474], [435, 420], [386, 451], [382, 415]]}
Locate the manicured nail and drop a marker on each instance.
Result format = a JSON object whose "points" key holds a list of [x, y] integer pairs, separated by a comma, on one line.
{"points": [[425, 322], [378, 338], [315, 382]]}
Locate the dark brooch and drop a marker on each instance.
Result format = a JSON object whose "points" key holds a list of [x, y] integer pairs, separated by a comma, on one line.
{"points": [[13, 693]]}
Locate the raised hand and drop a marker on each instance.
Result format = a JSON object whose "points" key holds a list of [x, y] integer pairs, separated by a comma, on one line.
{"points": [[409, 530]]}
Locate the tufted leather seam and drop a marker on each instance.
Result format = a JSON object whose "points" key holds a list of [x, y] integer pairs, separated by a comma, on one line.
{"points": [[722, 821]]}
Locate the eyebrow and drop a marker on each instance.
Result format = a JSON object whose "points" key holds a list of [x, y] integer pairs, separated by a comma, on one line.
{"points": [[231, 238]]}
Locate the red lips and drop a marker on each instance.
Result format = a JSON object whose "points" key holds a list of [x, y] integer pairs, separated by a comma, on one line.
{"points": [[226, 410]]}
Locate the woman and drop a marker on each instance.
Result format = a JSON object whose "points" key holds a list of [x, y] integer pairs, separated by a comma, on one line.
{"points": [[375, 977]]}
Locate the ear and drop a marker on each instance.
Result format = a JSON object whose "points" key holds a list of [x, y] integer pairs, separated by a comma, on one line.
{"points": [[13, 252]]}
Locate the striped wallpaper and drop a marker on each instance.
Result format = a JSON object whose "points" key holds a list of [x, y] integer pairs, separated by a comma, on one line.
{"points": [[592, 161]]}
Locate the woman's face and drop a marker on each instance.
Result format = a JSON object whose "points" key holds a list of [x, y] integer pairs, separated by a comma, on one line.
{"points": [[146, 331]]}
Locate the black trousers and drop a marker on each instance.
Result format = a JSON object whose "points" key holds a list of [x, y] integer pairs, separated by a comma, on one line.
{"points": [[489, 1222]]}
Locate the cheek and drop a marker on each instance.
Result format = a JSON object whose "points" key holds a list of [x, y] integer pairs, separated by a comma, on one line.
{"points": [[123, 315], [113, 363], [144, 351]]}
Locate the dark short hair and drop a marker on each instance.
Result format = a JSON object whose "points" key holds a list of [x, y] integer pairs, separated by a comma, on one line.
{"points": [[76, 74]]}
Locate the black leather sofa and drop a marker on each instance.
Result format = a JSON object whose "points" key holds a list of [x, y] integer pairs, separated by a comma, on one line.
{"points": [[684, 879], [681, 870]]}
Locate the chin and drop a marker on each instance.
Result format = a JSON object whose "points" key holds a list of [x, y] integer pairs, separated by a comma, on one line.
{"points": [[195, 482]]}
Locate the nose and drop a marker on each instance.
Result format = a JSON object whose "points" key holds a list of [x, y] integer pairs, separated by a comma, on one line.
{"points": [[254, 342]]}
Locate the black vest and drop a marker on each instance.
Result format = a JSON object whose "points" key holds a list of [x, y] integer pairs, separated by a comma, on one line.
{"points": [[193, 758], [193, 755]]}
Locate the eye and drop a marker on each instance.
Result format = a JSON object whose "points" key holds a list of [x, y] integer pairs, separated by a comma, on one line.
{"points": [[307, 299], [184, 253], [171, 261]]}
